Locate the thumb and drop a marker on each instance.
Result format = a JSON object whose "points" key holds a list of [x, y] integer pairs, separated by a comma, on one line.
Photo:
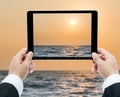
{"points": [[29, 56], [97, 59]]}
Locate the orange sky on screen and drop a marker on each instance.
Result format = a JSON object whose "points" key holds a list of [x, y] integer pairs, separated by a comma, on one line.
{"points": [[13, 28], [62, 29]]}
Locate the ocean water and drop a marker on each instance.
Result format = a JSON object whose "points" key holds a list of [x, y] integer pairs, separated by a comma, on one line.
{"points": [[62, 51], [61, 84]]}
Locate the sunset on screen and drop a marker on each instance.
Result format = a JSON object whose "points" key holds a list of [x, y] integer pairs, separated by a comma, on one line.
{"points": [[62, 35], [62, 29]]}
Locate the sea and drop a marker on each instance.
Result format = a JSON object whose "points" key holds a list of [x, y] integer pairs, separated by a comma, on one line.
{"points": [[62, 50], [61, 84]]}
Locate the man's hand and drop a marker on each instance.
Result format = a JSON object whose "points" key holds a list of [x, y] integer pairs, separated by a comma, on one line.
{"points": [[104, 63], [22, 64]]}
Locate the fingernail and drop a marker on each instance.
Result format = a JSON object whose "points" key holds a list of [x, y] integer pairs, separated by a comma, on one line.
{"points": [[94, 54], [30, 53], [31, 71]]}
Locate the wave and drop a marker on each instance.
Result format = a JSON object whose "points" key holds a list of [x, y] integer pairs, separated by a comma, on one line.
{"points": [[61, 84], [62, 51]]}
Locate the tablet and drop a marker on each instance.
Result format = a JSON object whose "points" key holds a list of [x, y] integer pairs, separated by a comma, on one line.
{"points": [[62, 34]]}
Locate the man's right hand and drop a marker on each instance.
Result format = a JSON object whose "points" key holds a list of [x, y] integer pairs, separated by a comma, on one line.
{"points": [[105, 63]]}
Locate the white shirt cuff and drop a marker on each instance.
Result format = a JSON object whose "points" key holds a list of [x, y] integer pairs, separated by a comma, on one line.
{"points": [[112, 79], [16, 81]]}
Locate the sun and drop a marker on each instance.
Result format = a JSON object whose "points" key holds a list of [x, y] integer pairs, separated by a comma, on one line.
{"points": [[73, 22]]}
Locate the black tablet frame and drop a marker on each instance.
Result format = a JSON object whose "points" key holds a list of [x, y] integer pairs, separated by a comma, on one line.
{"points": [[94, 28]]}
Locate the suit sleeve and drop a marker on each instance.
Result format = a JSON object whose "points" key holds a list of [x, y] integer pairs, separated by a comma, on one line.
{"points": [[111, 86], [14, 82], [112, 91], [8, 90]]}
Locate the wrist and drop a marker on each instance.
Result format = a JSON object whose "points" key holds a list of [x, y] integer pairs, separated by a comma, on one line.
{"points": [[113, 73], [15, 73], [20, 75]]}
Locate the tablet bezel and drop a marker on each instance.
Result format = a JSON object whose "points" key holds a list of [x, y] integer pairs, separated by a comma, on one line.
{"points": [[94, 27]]}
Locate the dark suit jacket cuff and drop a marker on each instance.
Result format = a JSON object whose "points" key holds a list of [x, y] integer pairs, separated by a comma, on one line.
{"points": [[112, 79], [16, 81]]}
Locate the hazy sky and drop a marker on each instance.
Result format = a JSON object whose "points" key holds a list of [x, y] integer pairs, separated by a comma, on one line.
{"points": [[62, 29], [13, 28]]}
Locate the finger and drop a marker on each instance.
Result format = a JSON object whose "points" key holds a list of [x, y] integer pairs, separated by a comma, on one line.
{"points": [[31, 69], [29, 57], [21, 54], [95, 66], [97, 58], [103, 52], [93, 62], [102, 57], [93, 69], [31, 65]]}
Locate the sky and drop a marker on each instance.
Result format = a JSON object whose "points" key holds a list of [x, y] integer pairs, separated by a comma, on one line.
{"points": [[13, 29], [62, 29]]}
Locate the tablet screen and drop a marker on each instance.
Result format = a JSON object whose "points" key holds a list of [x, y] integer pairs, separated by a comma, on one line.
{"points": [[66, 35]]}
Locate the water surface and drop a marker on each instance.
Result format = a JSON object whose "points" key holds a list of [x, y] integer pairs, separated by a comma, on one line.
{"points": [[61, 84], [62, 51]]}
